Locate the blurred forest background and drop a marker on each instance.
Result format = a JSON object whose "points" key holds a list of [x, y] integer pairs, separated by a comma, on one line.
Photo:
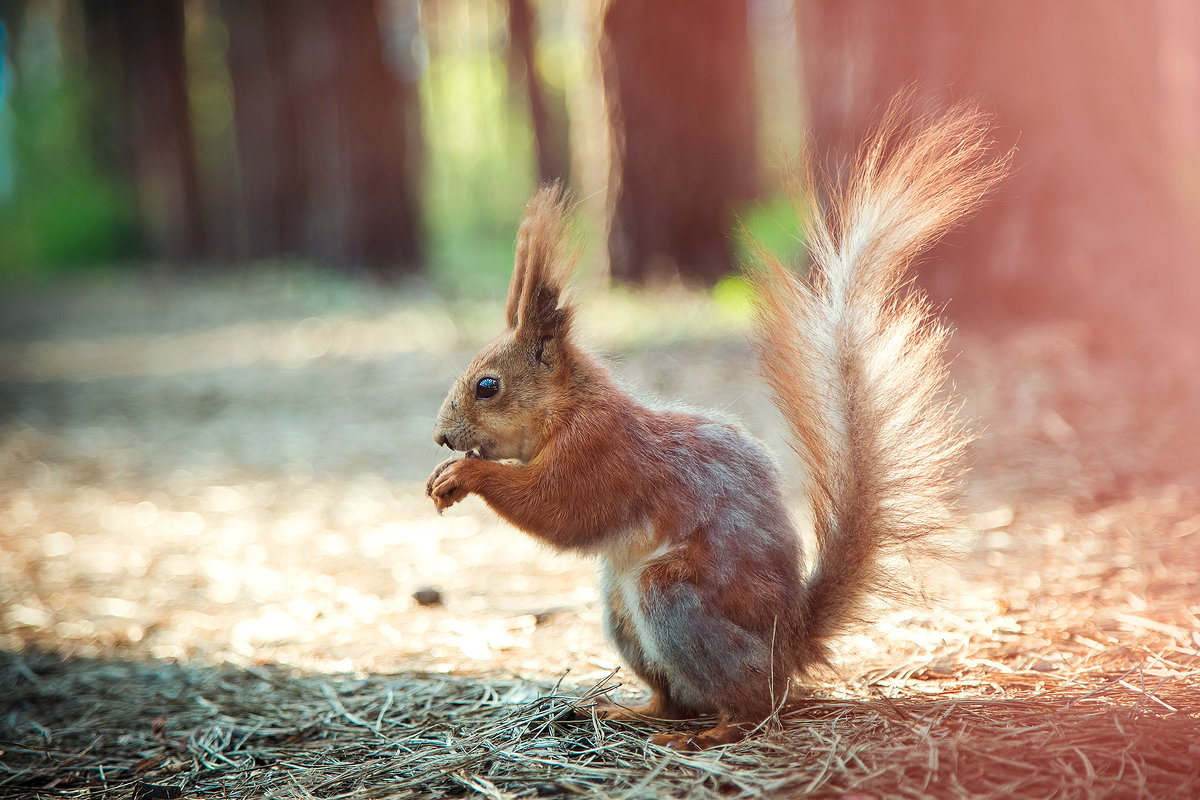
{"points": [[398, 137]]}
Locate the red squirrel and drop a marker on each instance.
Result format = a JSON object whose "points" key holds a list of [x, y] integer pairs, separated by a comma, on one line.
{"points": [[707, 594]]}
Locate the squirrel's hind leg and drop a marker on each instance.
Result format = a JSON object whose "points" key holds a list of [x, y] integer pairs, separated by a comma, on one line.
{"points": [[703, 662], [661, 705], [709, 662]]}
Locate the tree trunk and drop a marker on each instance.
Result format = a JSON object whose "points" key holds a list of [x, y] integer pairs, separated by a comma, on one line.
{"points": [[549, 135], [154, 78], [679, 88], [1088, 215], [328, 134], [108, 118], [267, 125], [377, 130]]}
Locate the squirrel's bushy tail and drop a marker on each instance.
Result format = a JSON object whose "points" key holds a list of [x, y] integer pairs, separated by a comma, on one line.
{"points": [[854, 354]]}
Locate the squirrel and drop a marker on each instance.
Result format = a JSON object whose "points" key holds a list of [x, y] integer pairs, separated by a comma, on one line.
{"points": [[707, 593]]}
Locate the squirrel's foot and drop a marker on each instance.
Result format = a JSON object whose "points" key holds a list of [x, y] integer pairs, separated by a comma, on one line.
{"points": [[722, 733], [657, 707]]}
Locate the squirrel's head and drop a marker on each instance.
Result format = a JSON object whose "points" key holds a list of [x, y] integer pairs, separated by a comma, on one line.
{"points": [[503, 405]]}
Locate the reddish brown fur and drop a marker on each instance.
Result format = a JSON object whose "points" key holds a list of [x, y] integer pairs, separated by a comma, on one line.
{"points": [[702, 578]]}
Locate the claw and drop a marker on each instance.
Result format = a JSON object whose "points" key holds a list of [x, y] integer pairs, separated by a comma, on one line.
{"points": [[674, 741]]}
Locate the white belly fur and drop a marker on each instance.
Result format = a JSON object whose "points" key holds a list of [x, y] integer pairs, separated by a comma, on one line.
{"points": [[621, 571]]}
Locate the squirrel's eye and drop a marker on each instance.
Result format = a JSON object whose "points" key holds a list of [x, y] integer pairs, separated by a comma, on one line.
{"points": [[487, 387]]}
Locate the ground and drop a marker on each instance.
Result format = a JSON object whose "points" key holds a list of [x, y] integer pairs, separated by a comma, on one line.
{"points": [[213, 529]]}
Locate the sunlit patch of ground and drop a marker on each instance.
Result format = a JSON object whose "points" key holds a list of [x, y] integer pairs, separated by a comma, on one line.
{"points": [[228, 477]]}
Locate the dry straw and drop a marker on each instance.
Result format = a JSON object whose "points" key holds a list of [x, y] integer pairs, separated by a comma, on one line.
{"points": [[120, 729]]}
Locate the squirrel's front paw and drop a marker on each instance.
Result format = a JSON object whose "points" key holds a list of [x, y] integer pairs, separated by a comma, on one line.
{"points": [[433, 476], [446, 485]]}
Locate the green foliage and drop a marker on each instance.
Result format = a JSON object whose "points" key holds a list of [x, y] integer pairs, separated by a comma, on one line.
{"points": [[772, 223], [65, 211], [479, 171], [734, 296], [77, 220]]}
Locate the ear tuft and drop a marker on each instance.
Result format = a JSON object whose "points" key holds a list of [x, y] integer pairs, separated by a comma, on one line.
{"points": [[535, 309]]}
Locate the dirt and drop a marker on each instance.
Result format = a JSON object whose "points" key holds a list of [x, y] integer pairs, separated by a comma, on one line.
{"points": [[230, 471]]}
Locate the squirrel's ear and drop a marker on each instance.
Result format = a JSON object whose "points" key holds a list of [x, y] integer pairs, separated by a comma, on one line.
{"points": [[535, 309]]}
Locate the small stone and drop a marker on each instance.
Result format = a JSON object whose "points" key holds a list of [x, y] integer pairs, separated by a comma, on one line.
{"points": [[427, 597]]}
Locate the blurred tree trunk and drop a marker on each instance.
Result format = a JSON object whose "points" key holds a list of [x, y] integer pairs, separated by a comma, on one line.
{"points": [[680, 94], [378, 134], [146, 36], [1088, 214], [549, 129], [1179, 23], [12, 17], [328, 134], [108, 118], [267, 127]]}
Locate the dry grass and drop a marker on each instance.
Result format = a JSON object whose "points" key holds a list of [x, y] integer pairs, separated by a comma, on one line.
{"points": [[206, 567], [115, 729]]}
